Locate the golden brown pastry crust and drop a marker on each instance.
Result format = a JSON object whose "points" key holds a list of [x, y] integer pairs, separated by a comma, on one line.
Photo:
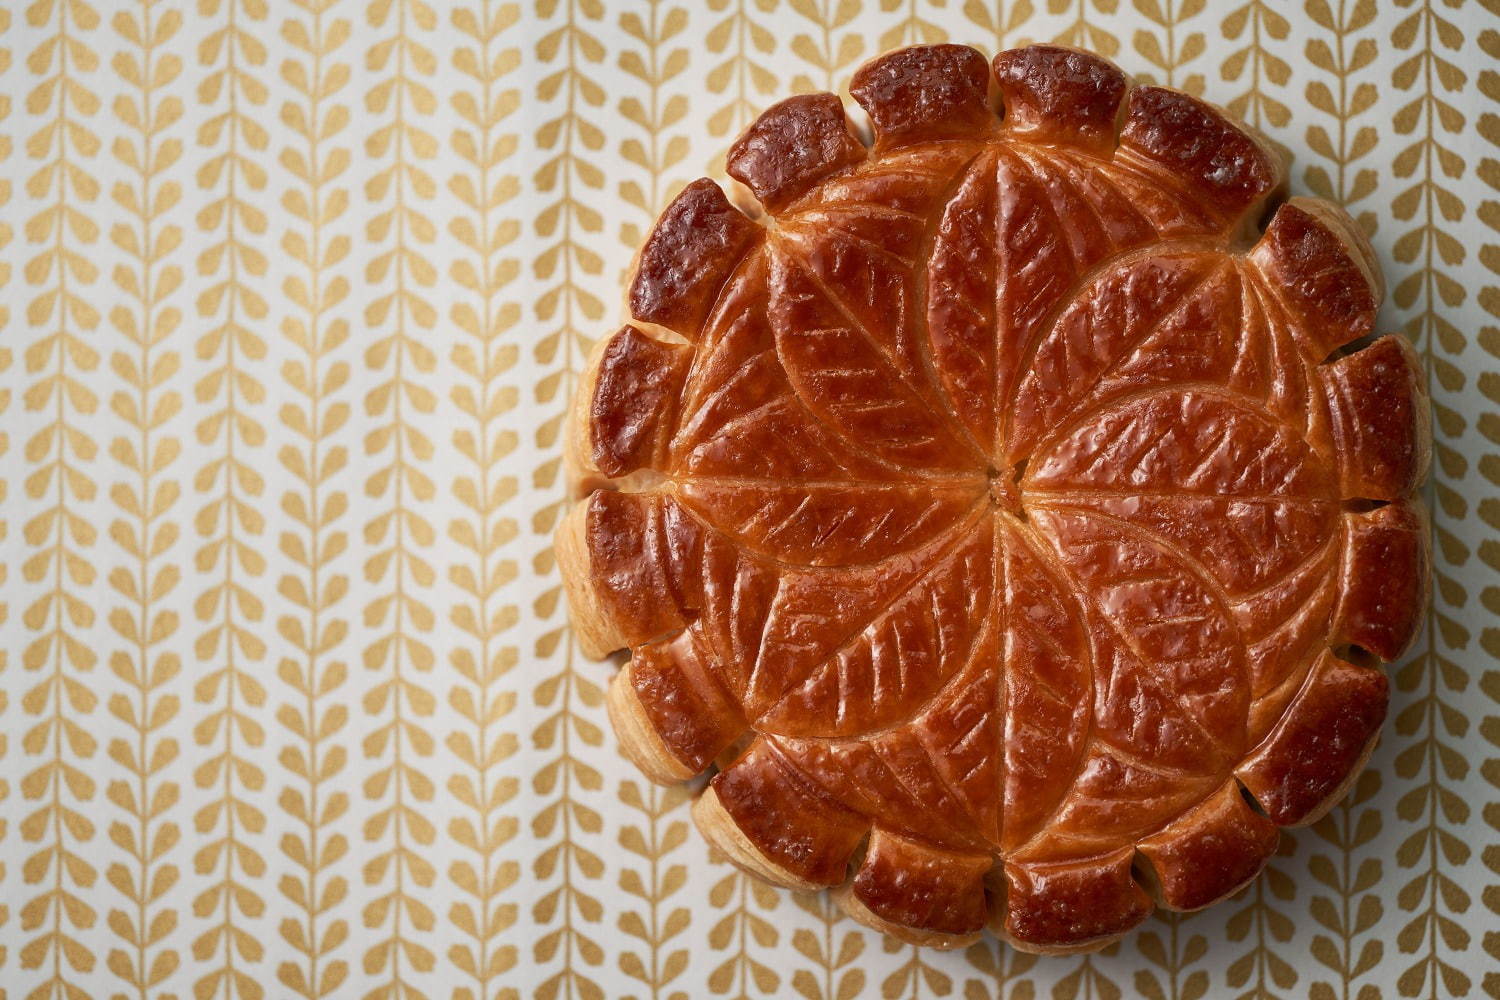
{"points": [[1007, 517]]}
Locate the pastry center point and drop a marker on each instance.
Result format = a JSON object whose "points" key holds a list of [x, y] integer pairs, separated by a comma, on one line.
{"points": [[1005, 493]]}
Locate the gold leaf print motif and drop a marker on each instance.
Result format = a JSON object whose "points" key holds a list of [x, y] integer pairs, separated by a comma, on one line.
{"points": [[1345, 56], [1258, 25], [315, 582], [1426, 293], [484, 355], [915, 977], [400, 316], [1083, 29], [6, 235], [915, 25], [144, 621], [834, 947], [1000, 21], [831, 45], [1171, 43], [654, 881], [741, 74], [994, 969], [745, 935], [1489, 466], [55, 782], [1173, 949], [230, 648]]}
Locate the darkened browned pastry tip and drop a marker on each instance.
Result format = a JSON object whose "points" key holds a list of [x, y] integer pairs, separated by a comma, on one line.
{"points": [[694, 246], [792, 146], [923, 93], [1056, 94]]}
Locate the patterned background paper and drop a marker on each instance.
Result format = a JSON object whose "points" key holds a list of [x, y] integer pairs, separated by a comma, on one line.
{"points": [[293, 293]]}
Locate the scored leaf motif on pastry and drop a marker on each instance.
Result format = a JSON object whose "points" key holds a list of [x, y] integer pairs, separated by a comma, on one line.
{"points": [[1003, 511]]}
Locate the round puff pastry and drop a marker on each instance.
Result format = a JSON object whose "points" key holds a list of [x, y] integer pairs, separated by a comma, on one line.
{"points": [[1001, 507]]}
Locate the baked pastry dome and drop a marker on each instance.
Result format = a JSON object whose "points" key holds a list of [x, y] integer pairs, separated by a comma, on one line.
{"points": [[1000, 507]]}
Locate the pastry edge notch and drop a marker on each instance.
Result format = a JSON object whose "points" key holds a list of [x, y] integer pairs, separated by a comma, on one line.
{"points": [[923, 93], [791, 146], [776, 825], [627, 408], [1320, 264], [1208, 853], [1065, 907], [1228, 163], [1322, 742], [1377, 399], [612, 549], [691, 252], [685, 719], [594, 627], [1385, 579], [1057, 94]]}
